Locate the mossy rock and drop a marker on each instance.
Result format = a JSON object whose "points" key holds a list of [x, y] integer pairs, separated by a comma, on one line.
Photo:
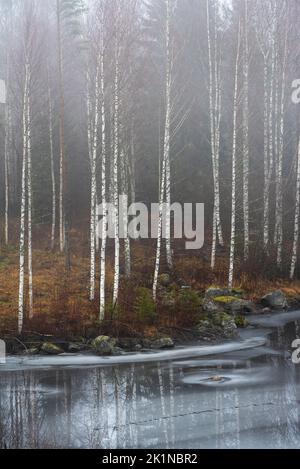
{"points": [[51, 349], [235, 305], [225, 299], [103, 345], [241, 321], [219, 325]]}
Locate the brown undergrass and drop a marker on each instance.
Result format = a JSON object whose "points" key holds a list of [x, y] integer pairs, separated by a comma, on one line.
{"points": [[61, 299]]}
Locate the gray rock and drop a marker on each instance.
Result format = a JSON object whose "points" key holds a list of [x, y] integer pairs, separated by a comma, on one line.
{"points": [[51, 349], [209, 306], [213, 292], [236, 305], [103, 345], [218, 326], [76, 347], [275, 300], [32, 351], [159, 343], [130, 343]]}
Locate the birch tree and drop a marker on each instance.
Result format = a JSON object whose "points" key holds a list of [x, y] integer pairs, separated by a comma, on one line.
{"points": [[279, 159], [116, 169], [103, 174], [215, 116], [296, 219], [234, 164], [51, 151], [23, 203], [246, 134], [165, 168]]}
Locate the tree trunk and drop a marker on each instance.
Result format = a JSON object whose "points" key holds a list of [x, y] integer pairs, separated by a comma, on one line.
{"points": [[29, 195], [115, 183], [246, 137], [23, 208], [103, 180], [93, 185], [234, 150], [296, 222], [53, 183], [62, 230]]}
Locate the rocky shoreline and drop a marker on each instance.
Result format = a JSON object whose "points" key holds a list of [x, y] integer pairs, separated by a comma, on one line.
{"points": [[222, 313]]}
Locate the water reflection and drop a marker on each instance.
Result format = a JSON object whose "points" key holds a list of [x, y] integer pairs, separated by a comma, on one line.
{"points": [[164, 404]]}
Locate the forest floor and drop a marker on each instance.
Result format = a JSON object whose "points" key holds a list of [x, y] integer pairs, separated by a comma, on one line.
{"points": [[61, 298]]}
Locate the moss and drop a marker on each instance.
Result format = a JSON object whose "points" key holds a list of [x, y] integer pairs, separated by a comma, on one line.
{"points": [[241, 321], [225, 299], [218, 319]]}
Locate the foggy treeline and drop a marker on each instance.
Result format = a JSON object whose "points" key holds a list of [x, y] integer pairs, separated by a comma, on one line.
{"points": [[162, 100]]}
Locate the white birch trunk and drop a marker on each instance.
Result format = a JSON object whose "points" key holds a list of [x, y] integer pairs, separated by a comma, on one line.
{"points": [[115, 182], [279, 196], [167, 139], [23, 210], [53, 183], [246, 137], [29, 195], [7, 149], [125, 185], [93, 186], [62, 232], [266, 157], [234, 150], [215, 114], [296, 222], [103, 181]]}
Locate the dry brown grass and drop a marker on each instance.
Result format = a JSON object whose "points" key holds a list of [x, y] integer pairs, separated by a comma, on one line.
{"points": [[62, 306]]}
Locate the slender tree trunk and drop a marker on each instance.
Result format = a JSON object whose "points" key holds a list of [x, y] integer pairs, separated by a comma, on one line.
{"points": [[125, 185], [23, 208], [115, 182], [234, 150], [93, 185], [53, 182], [217, 119], [296, 222], [279, 195], [246, 137], [167, 139], [270, 160], [215, 113], [266, 157], [29, 195], [103, 181], [62, 230], [7, 150]]}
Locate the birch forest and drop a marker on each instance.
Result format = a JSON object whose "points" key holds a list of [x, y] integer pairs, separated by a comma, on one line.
{"points": [[160, 102]]}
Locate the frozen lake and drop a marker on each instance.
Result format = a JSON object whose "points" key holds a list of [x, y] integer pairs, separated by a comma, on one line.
{"points": [[242, 394]]}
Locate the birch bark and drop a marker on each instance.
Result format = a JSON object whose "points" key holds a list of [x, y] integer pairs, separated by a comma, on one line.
{"points": [[234, 150]]}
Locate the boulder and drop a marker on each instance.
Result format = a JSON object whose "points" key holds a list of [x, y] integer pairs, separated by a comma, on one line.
{"points": [[130, 344], [235, 305], [218, 326], [209, 306], [212, 292], [103, 345], [76, 347], [32, 351], [51, 349], [159, 343], [275, 300]]}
